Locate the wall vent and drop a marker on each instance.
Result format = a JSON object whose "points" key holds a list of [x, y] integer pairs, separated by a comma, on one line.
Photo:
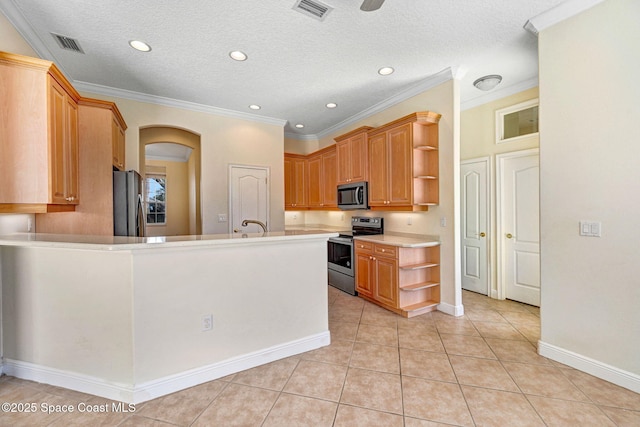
{"points": [[67, 43], [313, 8]]}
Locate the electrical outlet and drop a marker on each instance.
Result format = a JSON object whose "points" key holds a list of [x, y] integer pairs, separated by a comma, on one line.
{"points": [[207, 322], [409, 221], [29, 225], [443, 222]]}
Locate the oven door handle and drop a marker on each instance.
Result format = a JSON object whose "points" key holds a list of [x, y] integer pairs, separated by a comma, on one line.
{"points": [[343, 240]]}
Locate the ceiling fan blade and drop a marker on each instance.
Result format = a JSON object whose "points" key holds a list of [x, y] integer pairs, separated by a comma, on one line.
{"points": [[371, 5]]}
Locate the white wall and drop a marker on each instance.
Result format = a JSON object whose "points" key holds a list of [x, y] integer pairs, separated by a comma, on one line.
{"points": [[590, 170], [443, 99]]}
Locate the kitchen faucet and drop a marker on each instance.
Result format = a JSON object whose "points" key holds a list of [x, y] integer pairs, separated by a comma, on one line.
{"points": [[253, 221]]}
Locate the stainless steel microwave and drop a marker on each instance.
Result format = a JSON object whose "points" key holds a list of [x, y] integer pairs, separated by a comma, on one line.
{"points": [[354, 195]]}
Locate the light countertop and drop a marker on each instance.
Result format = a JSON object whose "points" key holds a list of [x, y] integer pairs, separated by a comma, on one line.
{"points": [[401, 240], [115, 243]]}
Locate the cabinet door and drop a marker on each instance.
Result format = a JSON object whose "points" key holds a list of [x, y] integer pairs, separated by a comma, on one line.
{"points": [[364, 274], [359, 160], [343, 156], [288, 182], [314, 176], [386, 289], [378, 170], [329, 180], [400, 165], [300, 189], [63, 122], [118, 141], [72, 182], [57, 123]]}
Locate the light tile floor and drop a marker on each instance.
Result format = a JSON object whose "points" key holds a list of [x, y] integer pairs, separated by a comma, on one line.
{"points": [[381, 370]]}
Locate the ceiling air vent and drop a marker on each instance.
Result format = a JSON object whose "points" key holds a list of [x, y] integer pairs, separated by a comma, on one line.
{"points": [[67, 43], [314, 9]]}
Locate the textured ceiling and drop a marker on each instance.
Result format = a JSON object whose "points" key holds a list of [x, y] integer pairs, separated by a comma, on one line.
{"points": [[296, 64]]}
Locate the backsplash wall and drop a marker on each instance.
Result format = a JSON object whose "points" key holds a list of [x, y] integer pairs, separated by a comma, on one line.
{"points": [[15, 223], [397, 222]]}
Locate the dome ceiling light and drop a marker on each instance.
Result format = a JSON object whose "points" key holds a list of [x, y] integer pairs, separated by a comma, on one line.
{"points": [[238, 56], [385, 71], [140, 45], [488, 82]]}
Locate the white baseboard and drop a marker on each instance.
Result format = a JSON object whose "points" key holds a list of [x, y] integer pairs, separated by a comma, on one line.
{"points": [[593, 367], [453, 310], [139, 393]]}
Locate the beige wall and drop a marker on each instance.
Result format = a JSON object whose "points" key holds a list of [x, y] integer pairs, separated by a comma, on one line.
{"points": [[590, 170], [12, 41], [478, 140], [177, 174], [165, 134], [224, 141], [443, 99], [478, 129]]}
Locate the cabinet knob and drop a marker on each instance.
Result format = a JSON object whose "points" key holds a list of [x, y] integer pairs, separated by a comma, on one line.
{"points": [[509, 235], [482, 234]]}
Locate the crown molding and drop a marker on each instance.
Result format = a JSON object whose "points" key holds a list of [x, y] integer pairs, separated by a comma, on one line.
{"points": [[175, 103], [499, 93], [557, 14], [416, 89]]}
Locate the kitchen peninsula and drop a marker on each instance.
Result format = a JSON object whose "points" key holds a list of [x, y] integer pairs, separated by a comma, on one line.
{"points": [[132, 319]]}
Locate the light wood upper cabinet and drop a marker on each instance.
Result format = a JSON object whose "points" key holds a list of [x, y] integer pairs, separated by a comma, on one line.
{"points": [[295, 191], [403, 163], [39, 150], [101, 129], [352, 154], [322, 179], [118, 142]]}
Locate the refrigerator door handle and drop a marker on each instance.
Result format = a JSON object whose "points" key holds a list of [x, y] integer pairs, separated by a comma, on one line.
{"points": [[142, 224]]}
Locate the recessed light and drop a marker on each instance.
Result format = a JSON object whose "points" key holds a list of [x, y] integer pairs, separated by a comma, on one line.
{"points": [[254, 107], [299, 125], [139, 45], [385, 71], [332, 105], [238, 56]]}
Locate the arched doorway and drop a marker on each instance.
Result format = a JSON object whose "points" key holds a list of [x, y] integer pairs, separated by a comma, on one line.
{"points": [[173, 154]]}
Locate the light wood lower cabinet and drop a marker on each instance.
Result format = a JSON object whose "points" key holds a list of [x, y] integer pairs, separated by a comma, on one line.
{"points": [[403, 280]]}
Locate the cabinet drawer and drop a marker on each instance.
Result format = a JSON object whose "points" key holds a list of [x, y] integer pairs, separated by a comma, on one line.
{"points": [[386, 250], [363, 246]]}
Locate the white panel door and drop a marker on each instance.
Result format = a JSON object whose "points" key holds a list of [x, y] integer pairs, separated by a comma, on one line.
{"points": [[474, 175], [520, 225], [249, 197]]}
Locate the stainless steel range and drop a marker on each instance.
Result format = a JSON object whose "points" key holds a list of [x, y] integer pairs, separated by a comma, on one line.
{"points": [[341, 261]]}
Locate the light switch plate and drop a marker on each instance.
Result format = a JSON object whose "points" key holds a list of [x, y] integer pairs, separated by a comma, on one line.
{"points": [[590, 228]]}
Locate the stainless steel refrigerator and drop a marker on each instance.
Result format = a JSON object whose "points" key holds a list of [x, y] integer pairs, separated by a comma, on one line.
{"points": [[128, 204]]}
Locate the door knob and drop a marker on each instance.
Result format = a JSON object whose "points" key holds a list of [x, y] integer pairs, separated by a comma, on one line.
{"points": [[235, 230], [482, 234], [509, 235]]}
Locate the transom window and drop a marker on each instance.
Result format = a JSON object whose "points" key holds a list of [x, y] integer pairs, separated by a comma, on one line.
{"points": [[156, 186], [517, 121]]}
